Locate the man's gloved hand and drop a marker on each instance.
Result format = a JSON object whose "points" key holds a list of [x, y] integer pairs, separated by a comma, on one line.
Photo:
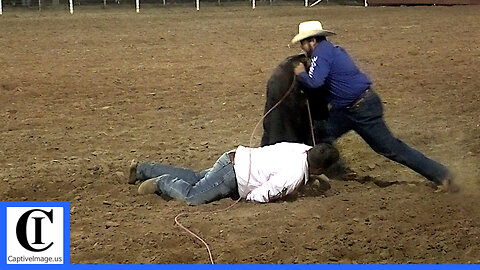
{"points": [[299, 68]]}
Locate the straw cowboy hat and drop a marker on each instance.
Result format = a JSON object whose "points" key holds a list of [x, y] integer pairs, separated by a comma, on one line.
{"points": [[310, 29]]}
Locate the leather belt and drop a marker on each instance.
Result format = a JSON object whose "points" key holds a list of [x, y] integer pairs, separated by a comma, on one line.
{"points": [[232, 157], [359, 99]]}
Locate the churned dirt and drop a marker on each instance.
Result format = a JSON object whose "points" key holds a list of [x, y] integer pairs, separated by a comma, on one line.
{"points": [[82, 95]]}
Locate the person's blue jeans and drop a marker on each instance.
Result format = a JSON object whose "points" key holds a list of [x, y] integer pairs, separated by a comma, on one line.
{"points": [[193, 187], [366, 119]]}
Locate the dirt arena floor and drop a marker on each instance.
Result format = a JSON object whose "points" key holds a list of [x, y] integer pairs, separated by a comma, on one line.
{"points": [[82, 95]]}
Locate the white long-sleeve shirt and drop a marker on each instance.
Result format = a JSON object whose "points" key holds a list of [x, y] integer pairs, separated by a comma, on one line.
{"points": [[271, 171]]}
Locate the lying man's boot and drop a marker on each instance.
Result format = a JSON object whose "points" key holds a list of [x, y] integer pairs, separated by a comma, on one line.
{"points": [[132, 172], [149, 187]]}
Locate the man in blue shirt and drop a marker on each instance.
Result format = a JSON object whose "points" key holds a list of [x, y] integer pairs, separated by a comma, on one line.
{"points": [[354, 105]]}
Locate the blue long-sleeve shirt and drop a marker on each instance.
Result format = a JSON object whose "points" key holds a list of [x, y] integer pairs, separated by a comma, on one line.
{"points": [[333, 68]]}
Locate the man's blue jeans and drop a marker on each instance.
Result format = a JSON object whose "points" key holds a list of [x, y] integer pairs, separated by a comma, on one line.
{"points": [[193, 187], [366, 119]]}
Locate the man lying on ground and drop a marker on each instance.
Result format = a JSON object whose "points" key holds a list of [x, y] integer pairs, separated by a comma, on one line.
{"points": [[261, 174]]}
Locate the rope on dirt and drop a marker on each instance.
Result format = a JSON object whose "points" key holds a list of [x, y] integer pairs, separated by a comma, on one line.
{"points": [[194, 235], [249, 170]]}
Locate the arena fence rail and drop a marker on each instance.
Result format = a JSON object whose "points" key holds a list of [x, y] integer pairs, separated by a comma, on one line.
{"points": [[137, 5]]}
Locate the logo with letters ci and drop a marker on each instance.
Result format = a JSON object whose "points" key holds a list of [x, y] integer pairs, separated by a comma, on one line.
{"points": [[37, 232]]}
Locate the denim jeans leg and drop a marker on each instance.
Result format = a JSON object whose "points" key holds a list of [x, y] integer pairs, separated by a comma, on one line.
{"points": [[370, 125], [328, 132], [333, 128], [219, 182], [149, 170]]}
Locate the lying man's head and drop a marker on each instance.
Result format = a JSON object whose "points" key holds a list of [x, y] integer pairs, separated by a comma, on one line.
{"points": [[320, 157]]}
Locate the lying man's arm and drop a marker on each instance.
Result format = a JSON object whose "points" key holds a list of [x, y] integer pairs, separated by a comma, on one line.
{"points": [[278, 185]]}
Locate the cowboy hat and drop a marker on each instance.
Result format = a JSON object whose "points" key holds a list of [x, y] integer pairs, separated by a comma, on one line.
{"points": [[310, 29]]}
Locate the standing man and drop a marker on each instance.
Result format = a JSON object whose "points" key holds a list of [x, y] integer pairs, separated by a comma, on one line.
{"points": [[354, 105]]}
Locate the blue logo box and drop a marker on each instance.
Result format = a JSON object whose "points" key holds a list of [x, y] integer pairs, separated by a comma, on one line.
{"points": [[5, 205]]}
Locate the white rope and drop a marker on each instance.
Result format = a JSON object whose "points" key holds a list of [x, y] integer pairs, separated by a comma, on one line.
{"points": [[194, 235], [311, 123]]}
